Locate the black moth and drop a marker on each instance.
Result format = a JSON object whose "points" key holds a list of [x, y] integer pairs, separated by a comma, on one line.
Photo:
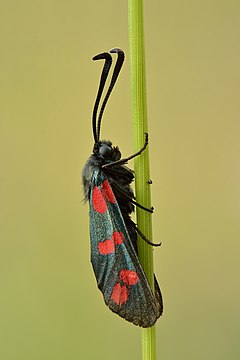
{"points": [[106, 183]]}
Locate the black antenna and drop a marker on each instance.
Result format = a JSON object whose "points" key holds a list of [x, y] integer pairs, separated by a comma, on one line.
{"points": [[116, 72], [105, 71]]}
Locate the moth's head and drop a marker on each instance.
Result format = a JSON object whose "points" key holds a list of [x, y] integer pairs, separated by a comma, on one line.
{"points": [[104, 150]]}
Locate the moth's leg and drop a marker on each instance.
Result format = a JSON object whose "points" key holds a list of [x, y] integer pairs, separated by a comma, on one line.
{"points": [[144, 237], [125, 160], [117, 188]]}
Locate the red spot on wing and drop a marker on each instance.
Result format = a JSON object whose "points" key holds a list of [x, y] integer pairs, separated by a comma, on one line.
{"points": [[129, 277], [108, 193], [117, 237], [98, 201], [119, 294], [106, 247]]}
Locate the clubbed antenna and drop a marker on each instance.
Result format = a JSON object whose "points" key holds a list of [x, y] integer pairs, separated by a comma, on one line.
{"points": [[116, 72], [105, 71]]}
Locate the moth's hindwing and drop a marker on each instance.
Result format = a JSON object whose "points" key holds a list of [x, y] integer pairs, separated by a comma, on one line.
{"points": [[118, 271]]}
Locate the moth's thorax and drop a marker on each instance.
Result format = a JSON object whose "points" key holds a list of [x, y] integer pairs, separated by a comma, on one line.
{"points": [[103, 153]]}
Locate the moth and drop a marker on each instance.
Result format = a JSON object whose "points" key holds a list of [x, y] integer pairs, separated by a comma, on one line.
{"points": [[114, 254]]}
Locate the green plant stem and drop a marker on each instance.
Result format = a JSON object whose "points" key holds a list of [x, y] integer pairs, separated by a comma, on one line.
{"points": [[141, 163]]}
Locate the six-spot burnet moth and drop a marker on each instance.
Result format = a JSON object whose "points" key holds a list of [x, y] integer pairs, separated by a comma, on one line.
{"points": [[106, 183]]}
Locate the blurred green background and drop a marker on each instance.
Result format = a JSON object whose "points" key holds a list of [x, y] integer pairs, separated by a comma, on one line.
{"points": [[50, 307]]}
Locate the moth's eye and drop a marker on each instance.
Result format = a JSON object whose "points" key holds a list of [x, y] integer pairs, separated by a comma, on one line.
{"points": [[105, 151]]}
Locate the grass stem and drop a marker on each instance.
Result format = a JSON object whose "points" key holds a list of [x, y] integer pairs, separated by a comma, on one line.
{"points": [[141, 163]]}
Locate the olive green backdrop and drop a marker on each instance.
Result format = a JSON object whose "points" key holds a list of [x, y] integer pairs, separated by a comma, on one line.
{"points": [[50, 307]]}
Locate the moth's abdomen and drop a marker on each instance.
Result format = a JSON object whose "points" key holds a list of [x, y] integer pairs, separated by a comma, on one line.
{"points": [[120, 178]]}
